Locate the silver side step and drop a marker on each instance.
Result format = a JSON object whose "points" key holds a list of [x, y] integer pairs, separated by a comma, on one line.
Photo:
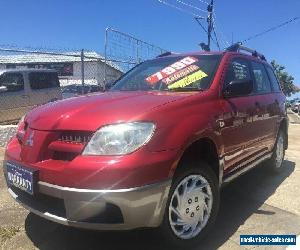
{"points": [[245, 167]]}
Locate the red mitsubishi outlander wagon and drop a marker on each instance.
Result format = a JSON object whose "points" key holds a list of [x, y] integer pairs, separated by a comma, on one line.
{"points": [[155, 150]]}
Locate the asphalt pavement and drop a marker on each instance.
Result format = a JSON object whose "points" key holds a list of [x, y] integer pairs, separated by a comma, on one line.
{"points": [[256, 203]]}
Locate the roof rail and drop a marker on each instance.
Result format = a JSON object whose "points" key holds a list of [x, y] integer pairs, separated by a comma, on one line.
{"points": [[168, 53], [237, 47]]}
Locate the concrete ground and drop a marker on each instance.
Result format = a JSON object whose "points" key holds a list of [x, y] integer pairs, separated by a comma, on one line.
{"points": [[256, 203], [6, 132]]}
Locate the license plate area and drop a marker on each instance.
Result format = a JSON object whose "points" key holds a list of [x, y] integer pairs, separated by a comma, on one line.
{"points": [[23, 178]]}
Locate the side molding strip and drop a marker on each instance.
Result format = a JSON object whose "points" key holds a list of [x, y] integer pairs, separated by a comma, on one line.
{"points": [[246, 168]]}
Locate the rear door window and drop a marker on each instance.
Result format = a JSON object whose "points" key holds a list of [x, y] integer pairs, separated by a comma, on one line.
{"points": [[273, 79], [11, 82], [262, 82], [43, 80]]}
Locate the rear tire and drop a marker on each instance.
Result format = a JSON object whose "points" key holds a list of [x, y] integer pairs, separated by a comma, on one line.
{"points": [[192, 206], [275, 163]]}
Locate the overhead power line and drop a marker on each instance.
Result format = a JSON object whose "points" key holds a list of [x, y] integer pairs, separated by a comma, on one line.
{"points": [[210, 31], [191, 6], [217, 41], [201, 1], [179, 9], [198, 21], [271, 29], [222, 37]]}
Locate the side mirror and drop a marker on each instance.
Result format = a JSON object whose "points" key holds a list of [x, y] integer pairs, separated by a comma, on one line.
{"points": [[238, 88], [3, 89]]}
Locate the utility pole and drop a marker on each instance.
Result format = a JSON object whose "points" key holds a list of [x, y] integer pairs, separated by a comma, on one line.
{"points": [[209, 22], [210, 7]]}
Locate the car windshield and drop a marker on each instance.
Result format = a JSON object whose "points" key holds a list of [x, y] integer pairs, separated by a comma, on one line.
{"points": [[178, 73]]}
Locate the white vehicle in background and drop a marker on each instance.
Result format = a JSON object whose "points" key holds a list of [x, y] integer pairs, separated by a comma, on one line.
{"points": [[295, 106], [23, 89]]}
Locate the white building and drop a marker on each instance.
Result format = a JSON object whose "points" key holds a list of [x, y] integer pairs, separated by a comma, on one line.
{"points": [[67, 66]]}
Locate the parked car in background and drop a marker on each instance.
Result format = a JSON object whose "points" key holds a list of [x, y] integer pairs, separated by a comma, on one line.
{"points": [[23, 89], [73, 90], [288, 104], [295, 106], [155, 150]]}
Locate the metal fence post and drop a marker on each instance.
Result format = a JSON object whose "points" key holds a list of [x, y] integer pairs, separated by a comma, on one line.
{"points": [[137, 53], [82, 69], [105, 57], [125, 51]]}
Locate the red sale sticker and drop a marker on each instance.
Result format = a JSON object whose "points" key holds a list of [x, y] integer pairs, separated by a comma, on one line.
{"points": [[173, 68], [179, 74]]}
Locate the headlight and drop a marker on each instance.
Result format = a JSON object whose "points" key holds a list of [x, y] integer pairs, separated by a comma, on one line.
{"points": [[119, 139], [21, 120], [21, 124]]}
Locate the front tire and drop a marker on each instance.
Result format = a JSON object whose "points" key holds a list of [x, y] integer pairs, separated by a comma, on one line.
{"points": [[192, 206]]}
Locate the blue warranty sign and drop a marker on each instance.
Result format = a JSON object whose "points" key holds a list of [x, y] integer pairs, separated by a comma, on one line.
{"points": [[21, 177]]}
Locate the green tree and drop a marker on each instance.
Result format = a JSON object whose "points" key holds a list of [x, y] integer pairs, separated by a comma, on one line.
{"points": [[285, 79]]}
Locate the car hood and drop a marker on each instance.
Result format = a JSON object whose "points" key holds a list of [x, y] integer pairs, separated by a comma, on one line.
{"points": [[93, 111]]}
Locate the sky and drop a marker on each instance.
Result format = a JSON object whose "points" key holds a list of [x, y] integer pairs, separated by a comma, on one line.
{"points": [[81, 24]]}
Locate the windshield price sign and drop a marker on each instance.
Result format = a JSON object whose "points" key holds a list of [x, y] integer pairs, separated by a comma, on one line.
{"points": [[171, 69]]}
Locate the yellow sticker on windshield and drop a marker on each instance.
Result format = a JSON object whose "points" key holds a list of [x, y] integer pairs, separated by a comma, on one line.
{"points": [[188, 80]]}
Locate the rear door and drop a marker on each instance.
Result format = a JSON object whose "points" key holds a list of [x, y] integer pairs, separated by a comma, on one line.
{"points": [[240, 131], [266, 115], [14, 99], [44, 87], [277, 108]]}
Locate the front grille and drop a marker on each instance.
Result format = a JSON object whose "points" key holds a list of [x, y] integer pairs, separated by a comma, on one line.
{"points": [[63, 156], [81, 137], [69, 144]]}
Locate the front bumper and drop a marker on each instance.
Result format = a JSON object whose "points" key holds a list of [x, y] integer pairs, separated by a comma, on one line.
{"points": [[120, 209]]}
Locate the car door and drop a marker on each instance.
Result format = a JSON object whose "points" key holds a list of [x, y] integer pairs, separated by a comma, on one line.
{"points": [[278, 108], [44, 87], [239, 131], [14, 99], [266, 115]]}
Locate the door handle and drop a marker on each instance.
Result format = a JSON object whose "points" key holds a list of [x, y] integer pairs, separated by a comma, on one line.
{"points": [[24, 96]]}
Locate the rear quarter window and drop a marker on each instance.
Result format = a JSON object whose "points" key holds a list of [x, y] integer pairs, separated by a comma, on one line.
{"points": [[43, 80], [273, 79], [262, 83]]}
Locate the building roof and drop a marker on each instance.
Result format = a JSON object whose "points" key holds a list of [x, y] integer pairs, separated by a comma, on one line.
{"points": [[25, 70], [28, 58]]}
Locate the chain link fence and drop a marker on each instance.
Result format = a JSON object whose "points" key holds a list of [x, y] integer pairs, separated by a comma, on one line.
{"points": [[73, 67], [30, 77], [33, 77], [126, 51]]}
